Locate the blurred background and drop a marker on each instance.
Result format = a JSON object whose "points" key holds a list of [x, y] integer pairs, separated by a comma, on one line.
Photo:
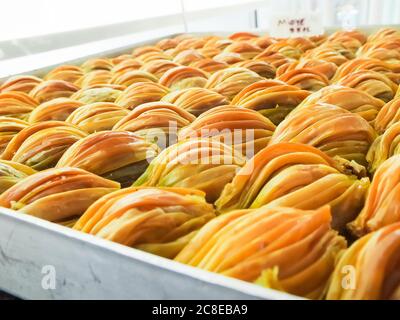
{"points": [[84, 26]]}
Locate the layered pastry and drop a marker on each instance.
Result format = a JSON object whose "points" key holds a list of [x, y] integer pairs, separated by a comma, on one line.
{"points": [[157, 220]]}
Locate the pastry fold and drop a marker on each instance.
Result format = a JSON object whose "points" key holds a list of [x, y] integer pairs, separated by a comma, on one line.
{"points": [[56, 109], [382, 206], [41, 145], [281, 248], [202, 164], [67, 73], [16, 104], [98, 116], [299, 176], [57, 195], [116, 155], [353, 100], [388, 115], [368, 269], [274, 99], [183, 77], [157, 220], [21, 83], [243, 129], [374, 83], [139, 93], [12, 172], [9, 127], [51, 89], [157, 122], [305, 79], [196, 100], [229, 82], [329, 128]]}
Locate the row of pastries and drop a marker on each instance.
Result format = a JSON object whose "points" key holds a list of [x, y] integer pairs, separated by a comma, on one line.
{"points": [[138, 149]]}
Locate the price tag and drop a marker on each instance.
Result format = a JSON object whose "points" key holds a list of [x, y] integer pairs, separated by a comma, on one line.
{"points": [[299, 25]]}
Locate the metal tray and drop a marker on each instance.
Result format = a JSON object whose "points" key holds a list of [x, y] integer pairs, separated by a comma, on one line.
{"points": [[86, 267]]}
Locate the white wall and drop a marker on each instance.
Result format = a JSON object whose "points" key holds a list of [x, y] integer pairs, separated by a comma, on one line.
{"points": [[26, 18]]}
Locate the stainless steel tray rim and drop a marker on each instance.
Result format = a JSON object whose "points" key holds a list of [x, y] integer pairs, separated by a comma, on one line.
{"points": [[160, 262]]}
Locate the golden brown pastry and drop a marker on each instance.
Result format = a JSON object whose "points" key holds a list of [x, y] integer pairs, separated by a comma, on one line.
{"points": [[244, 129], [326, 53], [229, 82], [157, 122], [57, 195], [209, 65], [287, 249], [324, 67], [286, 48], [388, 115], [23, 83], [353, 100], [139, 93], [383, 33], [41, 145], [98, 116], [183, 77], [9, 127], [299, 176], [137, 52], [275, 58], [219, 44], [166, 44], [382, 206], [116, 155], [209, 52], [246, 49], [152, 55], [158, 67], [274, 99], [55, 109], [366, 64], [346, 45], [133, 76], [189, 43], [16, 104], [187, 57], [356, 34], [97, 64], [11, 173], [97, 94], [329, 128], [242, 36], [157, 220], [95, 77], [122, 57], [305, 79], [368, 269], [67, 73], [125, 65], [229, 58], [389, 43], [386, 55], [196, 100], [51, 89], [263, 41], [203, 164], [262, 68], [384, 147], [376, 84]]}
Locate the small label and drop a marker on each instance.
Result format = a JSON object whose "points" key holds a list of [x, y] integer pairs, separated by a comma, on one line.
{"points": [[299, 25]]}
